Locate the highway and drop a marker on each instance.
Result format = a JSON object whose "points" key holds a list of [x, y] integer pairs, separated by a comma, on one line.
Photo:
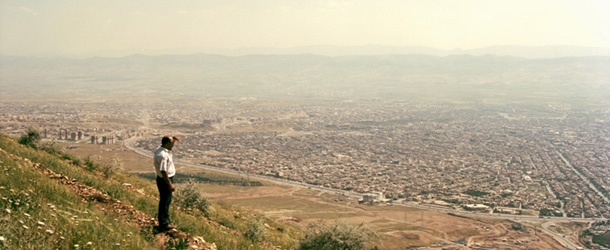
{"points": [[129, 144], [558, 237], [547, 220], [584, 178]]}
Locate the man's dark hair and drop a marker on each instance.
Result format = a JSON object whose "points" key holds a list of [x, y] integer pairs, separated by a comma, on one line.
{"points": [[166, 140]]}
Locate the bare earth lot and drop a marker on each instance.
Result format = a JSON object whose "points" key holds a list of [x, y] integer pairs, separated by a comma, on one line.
{"points": [[400, 227]]}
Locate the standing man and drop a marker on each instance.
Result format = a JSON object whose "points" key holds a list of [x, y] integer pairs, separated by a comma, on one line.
{"points": [[164, 166]]}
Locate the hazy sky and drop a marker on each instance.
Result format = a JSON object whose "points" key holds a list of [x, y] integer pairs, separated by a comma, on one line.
{"points": [[97, 27]]}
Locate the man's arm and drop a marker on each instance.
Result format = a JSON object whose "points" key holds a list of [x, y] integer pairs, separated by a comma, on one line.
{"points": [[168, 181]]}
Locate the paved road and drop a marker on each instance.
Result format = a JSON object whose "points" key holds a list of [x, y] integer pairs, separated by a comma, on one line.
{"points": [[129, 144], [547, 220], [558, 237], [584, 178]]}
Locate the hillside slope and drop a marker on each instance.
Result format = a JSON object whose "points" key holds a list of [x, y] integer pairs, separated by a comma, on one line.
{"points": [[58, 201]]}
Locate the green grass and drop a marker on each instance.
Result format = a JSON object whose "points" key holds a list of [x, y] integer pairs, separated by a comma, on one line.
{"points": [[44, 214], [603, 239], [206, 177], [539, 189], [91, 223]]}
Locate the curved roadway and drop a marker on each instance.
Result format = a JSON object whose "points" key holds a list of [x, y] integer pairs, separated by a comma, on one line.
{"points": [[547, 220]]}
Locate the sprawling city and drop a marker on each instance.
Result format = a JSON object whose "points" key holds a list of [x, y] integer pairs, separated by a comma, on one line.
{"points": [[399, 125], [508, 159]]}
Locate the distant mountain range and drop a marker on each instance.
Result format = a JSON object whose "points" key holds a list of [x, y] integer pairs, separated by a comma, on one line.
{"points": [[426, 77], [530, 52], [516, 51]]}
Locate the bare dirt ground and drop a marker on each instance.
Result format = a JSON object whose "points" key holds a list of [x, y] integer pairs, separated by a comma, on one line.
{"points": [[400, 227], [117, 155]]}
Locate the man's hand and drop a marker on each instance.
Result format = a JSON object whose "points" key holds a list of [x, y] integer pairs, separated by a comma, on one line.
{"points": [[168, 181]]}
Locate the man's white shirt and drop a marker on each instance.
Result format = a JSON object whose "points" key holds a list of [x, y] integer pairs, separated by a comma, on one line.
{"points": [[164, 162]]}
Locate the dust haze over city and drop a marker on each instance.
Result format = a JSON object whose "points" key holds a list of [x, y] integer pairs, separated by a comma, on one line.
{"points": [[488, 110]]}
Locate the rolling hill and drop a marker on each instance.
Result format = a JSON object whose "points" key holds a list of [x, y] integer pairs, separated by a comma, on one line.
{"points": [[51, 200]]}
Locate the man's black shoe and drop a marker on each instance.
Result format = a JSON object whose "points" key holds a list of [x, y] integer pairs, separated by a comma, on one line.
{"points": [[165, 228]]}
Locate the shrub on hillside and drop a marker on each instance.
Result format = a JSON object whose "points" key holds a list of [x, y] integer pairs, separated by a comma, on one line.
{"points": [[177, 244], [50, 148], [255, 230], [30, 138], [107, 169], [340, 236], [189, 196]]}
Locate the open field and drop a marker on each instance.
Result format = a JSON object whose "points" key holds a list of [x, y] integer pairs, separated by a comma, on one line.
{"points": [[117, 155], [400, 227]]}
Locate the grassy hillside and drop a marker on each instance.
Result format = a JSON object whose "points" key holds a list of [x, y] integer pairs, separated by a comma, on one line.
{"points": [[51, 200]]}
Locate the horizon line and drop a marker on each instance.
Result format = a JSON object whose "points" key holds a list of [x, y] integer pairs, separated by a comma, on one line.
{"points": [[243, 51]]}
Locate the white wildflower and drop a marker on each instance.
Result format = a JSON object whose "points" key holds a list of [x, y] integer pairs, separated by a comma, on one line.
{"points": [[89, 243], [26, 227], [41, 223], [8, 210], [199, 239], [2, 238]]}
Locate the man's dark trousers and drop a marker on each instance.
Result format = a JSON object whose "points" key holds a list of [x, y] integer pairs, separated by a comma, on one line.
{"points": [[165, 200]]}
